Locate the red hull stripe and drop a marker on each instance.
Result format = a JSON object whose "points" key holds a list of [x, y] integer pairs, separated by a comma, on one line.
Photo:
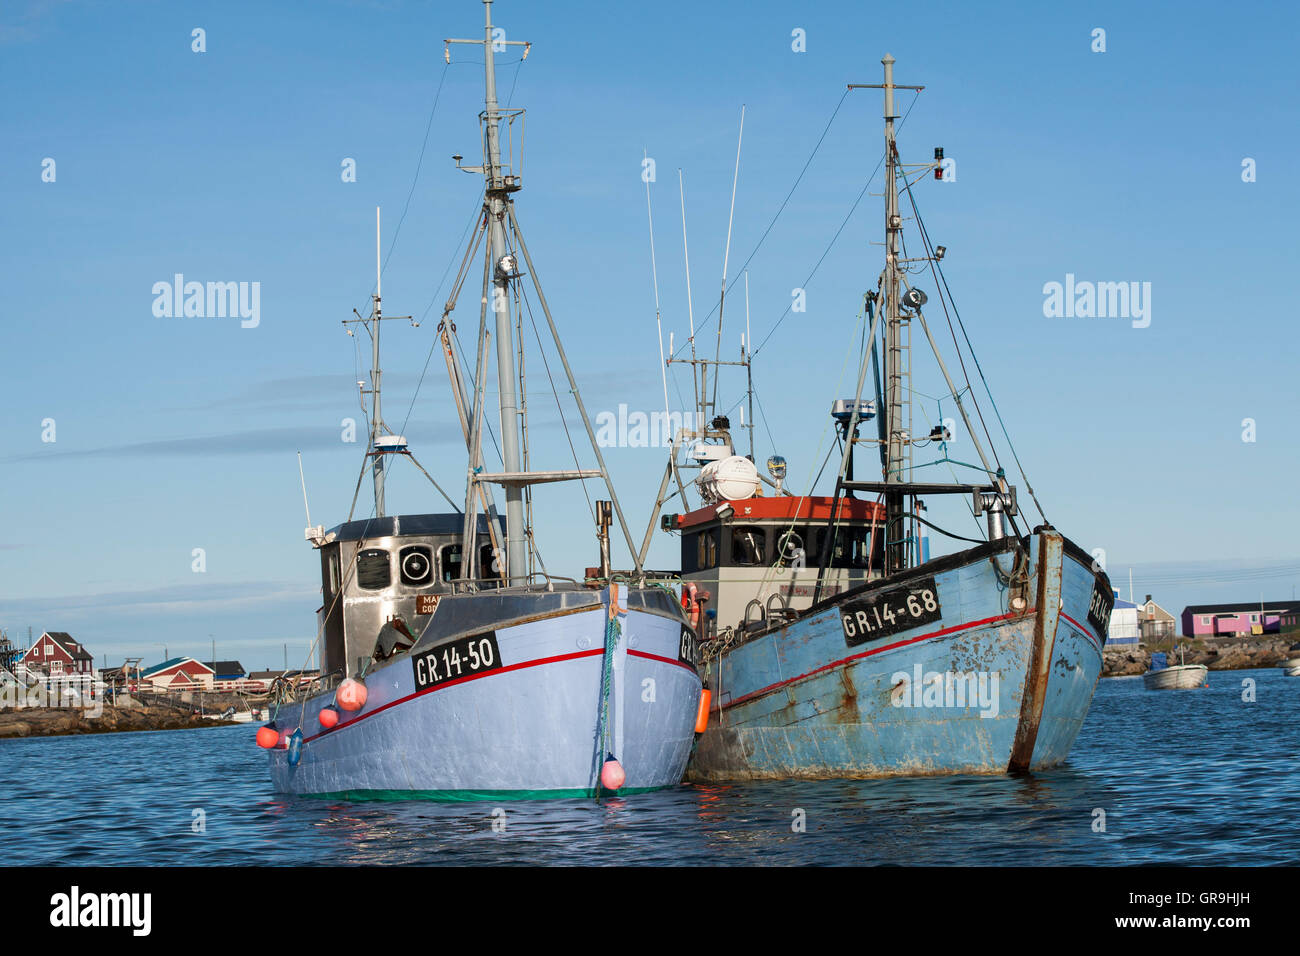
{"points": [[1087, 631], [875, 650], [662, 660], [597, 652]]}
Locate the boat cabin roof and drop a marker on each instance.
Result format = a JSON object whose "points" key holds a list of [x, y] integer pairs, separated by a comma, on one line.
{"points": [[394, 525], [786, 508]]}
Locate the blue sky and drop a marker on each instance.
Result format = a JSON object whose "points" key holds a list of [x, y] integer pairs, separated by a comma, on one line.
{"points": [[180, 433]]}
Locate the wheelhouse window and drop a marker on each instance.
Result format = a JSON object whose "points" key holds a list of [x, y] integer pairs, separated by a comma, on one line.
{"points": [[853, 549], [416, 564], [374, 571], [748, 545], [449, 561], [706, 549], [489, 566], [334, 576], [795, 546]]}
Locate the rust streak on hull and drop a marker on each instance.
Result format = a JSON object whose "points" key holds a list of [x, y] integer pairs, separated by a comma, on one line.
{"points": [[1036, 675]]}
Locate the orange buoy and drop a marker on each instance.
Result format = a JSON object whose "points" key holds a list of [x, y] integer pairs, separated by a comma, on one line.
{"points": [[329, 717], [267, 736], [351, 694], [611, 775], [702, 715]]}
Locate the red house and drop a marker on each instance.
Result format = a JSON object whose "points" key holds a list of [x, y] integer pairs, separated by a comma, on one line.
{"points": [[179, 673], [56, 653]]}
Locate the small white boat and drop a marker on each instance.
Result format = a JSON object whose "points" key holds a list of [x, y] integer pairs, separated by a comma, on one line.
{"points": [[1162, 676], [240, 716], [1291, 668]]}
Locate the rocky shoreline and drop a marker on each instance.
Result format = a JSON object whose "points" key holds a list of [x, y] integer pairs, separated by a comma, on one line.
{"points": [[135, 715], [1218, 654]]}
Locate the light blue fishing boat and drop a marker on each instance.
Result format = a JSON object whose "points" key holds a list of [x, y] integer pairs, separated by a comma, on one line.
{"points": [[454, 666], [834, 645]]}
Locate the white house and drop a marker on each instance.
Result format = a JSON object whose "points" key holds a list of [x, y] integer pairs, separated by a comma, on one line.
{"points": [[1124, 627]]}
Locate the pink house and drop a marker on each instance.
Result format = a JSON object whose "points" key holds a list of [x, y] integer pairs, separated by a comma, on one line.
{"points": [[1210, 620]]}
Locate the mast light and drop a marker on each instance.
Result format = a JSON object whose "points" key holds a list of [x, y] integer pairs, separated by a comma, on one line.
{"points": [[507, 267]]}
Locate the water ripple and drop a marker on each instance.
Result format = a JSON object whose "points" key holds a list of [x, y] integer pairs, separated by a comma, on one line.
{"points": [[1194, 777]]}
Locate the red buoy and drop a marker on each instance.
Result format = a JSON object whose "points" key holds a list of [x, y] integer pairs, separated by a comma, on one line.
{"points": [[611, 775], [351, 694], [329, 717], [267, 736]]}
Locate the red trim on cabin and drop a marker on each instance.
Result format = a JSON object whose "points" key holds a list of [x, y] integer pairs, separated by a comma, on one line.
{"points": [[806, 508]]}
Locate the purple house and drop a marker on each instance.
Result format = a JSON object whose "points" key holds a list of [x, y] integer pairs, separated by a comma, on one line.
{"points": [[1211, 620]]}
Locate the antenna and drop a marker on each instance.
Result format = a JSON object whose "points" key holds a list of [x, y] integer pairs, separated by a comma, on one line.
{"points": [[726, 255], [749, 370], [303, 480], [654, 271], [315, 534], [690, 307]]}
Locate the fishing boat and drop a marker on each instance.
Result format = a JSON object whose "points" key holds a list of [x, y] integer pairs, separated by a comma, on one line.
{"points": [[1162, 675], [454, 665], [835, 645]]}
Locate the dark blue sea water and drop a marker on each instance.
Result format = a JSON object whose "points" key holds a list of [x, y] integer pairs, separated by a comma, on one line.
{"points": [[1183, 777]]}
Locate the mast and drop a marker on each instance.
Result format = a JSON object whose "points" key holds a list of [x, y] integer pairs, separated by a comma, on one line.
{"points": [[381, 443], [516, 543], [497, 186], [501, 270], [995, 497], [375, 375], [896, 557]]}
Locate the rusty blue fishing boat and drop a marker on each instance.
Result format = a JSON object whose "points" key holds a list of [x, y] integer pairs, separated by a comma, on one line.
{"points": [[834, 644]]}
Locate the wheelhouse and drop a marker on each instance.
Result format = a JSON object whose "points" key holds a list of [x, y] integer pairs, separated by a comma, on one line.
{"points": [[388, 575], [757, 558]]}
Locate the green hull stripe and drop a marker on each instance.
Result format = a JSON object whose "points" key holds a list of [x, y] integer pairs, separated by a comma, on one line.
{"points": [[461, 796]]}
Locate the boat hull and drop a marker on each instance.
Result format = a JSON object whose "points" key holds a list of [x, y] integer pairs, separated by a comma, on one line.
{"points": [[526, 728], [1177, 677], [1291, 668], [797, 702]]}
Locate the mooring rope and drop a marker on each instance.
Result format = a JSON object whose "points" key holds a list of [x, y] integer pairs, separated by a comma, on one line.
{"points": [[612, 632]]}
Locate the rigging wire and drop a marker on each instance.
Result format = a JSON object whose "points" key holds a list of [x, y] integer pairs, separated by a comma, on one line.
{"points": [[835, 238], [437, 293], [523, 295], [442, 79], [941, 278], [785, 202]]}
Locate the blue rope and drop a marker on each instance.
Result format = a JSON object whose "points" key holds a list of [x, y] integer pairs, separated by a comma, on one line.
{"points": [[612, 632]]}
